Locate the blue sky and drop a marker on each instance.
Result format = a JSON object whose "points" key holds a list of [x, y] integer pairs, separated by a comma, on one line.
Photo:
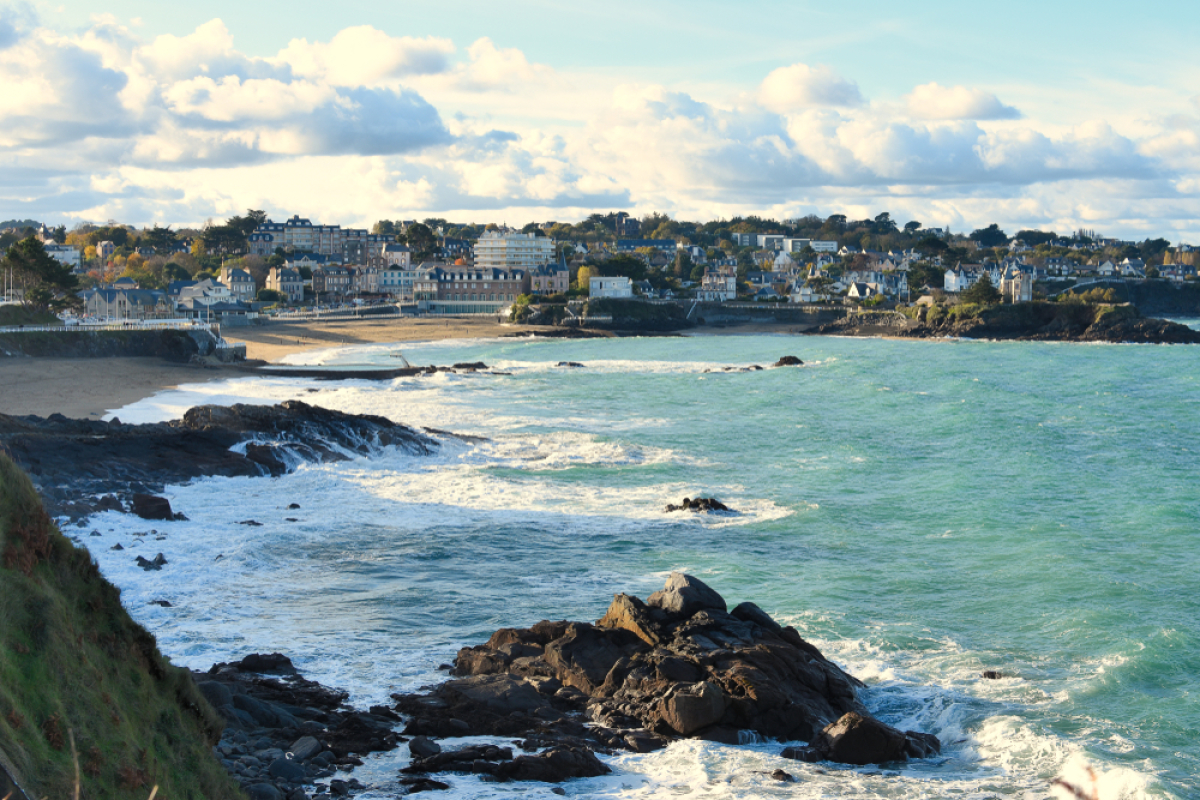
{"points": [[1028, 114]]}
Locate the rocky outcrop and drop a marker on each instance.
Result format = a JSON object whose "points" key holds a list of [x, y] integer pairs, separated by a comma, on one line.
{"points": [[788, 361], [286, 732], [857, 739], [680, 664], [705, 504], [76, 463]]}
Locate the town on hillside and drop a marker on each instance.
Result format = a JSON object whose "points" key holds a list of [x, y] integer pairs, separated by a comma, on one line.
{"points": [[252, 265]]}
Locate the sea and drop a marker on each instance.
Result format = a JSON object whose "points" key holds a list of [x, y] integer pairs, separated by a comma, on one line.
{"points": [[922, 511]]}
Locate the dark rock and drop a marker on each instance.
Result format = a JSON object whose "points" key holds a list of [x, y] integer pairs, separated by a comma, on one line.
{"points": [[473, 365], [265, 663], [423, 747], [263, 791], [87, 458], [569, 364], [157, 564], [414, 785], [163, 603], [993, 675], [93, 533], [305, 748], [293, 506], [859, 739], [785, 777], [285, 769], [117, 546], [685, 595], [291, 519], [705, 504], [339, 788], [148, 506], [252, 523], [646, 673], [691, 708], [788, 361], [554, 765]]}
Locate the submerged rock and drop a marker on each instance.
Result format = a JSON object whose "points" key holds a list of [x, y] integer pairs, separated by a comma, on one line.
{"points": [[706, 504]]}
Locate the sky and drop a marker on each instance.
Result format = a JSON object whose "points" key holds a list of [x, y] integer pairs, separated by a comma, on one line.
{"points": [[1032, 115]]}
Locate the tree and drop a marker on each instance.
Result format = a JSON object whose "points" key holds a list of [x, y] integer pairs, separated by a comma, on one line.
{"points": [[174, 272], [1033, 238], [47, 283], [385, 227], [269, 296], [421, 239], [883, 223], [991, 236], [982, 292], [922, 274], [683, 264], [912, 227], [161, 239]]}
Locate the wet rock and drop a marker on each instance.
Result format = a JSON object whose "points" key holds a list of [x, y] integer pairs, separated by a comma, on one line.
{"points": [[414, 785], [117, 546], [554, 766], [788, 361], [163, 603], [284, 769], [993, 675], [79, 459], [304, 748], [152, 565], [472, 365], [569, 364], [693, 708], [784, 777], [250, 522], [263, 791], [423, 747], [706, 504], [859, 739], [679, 665], [149, 506], [293, 506], [266, 662]]}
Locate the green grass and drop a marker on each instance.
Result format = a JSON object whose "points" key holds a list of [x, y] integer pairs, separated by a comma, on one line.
{"points": [[71, 659], [22, 315]]}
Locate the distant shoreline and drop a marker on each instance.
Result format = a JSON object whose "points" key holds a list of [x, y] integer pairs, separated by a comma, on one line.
{"points": [[84, 388]]}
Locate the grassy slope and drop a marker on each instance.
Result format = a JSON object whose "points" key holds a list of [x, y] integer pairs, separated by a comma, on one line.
{"points": [[21, 315], [71, 658]]}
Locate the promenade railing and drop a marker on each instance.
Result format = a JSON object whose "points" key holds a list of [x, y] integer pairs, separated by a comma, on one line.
{"points": [[130, 325]]}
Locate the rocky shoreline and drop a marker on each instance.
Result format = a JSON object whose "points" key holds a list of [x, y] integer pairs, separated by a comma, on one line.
{"points": [[84, 466], [1031, 322], [679, 665]]}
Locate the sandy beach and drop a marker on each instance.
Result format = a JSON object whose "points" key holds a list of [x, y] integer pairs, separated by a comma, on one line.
{"points": [[88, 388]]}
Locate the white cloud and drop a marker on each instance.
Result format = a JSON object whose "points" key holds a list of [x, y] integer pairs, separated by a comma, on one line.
{"points": [[491, 68], [365, 56], [800, 86], [932, 101]]}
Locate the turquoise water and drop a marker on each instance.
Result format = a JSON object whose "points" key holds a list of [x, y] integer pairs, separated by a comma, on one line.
{"points": [[921, 510]]}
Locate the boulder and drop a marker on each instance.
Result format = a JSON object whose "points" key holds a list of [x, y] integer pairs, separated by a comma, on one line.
{"points": [[423, 747], [305, 748], [631, 614], [266, 663], [788, 361], [708, 505], [685, 595], [263, 791], [857, 739], [148, 506], [694, 707], [152, 565], [502, 694], [554, 765], [284, 769]]}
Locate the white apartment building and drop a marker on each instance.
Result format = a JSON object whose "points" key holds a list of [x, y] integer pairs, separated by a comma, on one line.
{"points": [[610, 287], [299, 235], [509, 250], [64, 254]]}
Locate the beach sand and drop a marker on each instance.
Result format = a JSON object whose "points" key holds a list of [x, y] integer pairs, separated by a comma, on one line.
{"points": [[88, 388]]}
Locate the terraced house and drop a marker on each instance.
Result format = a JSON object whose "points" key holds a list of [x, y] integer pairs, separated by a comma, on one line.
{"points": [[472, 290]]}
